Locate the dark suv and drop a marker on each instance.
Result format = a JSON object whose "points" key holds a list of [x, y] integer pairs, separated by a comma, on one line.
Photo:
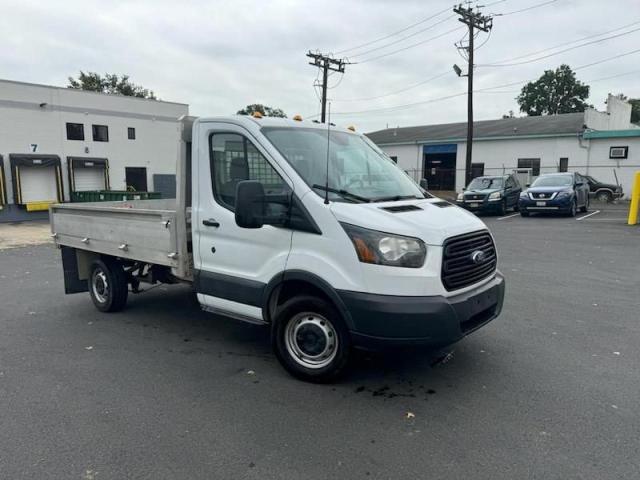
{"points": [[556, 193], [491, 194], [603, 192]]}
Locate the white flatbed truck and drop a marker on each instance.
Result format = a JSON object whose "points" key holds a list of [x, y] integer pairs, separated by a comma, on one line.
{"points": [[311, 230]]}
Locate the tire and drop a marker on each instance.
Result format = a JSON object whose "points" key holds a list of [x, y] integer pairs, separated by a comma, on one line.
{"points": [[516, 207], [502, 210], [524, 213], [310, 339], [574, 208], [585, 209], [108, 286], [604, 196]]}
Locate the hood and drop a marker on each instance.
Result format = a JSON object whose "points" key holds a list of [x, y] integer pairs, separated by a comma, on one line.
{"points": [[431, 223], [564, 188], [483, 191]]}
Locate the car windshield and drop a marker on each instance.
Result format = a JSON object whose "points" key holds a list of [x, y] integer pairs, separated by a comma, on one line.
{"points": [[553, 181], [482, 183], [358, 170]]}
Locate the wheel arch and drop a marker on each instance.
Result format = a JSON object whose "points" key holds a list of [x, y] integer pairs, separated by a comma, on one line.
{"points": [[290, 283]]}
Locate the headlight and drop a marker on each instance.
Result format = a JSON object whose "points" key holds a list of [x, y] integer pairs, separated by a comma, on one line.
{"points": [[565, 194], [460, 197], [381, 248], [524, 195], [495, 196]]}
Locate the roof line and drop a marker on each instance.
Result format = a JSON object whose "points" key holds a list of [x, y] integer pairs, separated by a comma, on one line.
{"points": [[55, 87], [479, 139]]}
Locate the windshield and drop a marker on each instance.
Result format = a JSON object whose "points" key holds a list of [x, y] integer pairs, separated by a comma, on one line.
{"points": [[482, 183], [553, 181], [358, 170]]}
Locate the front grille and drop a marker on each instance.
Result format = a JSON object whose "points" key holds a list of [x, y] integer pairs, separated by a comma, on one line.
{"points": [[459, 269], [474, 197], [543, 195]]}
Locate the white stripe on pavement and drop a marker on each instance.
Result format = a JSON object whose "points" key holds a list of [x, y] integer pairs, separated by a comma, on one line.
{"points": [[510, 216], [589, 215]]}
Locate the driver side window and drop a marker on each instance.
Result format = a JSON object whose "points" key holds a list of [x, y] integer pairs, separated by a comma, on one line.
{"points": [[233, 159]]}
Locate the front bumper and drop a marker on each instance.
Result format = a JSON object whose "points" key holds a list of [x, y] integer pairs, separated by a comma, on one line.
{"points": [[480, 205], [556, 205], [379, 321]]}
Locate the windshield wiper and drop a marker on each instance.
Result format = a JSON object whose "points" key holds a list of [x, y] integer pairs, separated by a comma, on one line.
{"points": [[343, 193], [395, 198]]}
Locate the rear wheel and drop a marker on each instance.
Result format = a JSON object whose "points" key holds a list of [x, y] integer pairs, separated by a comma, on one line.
{"points": [[310, 339], [108, 285]]}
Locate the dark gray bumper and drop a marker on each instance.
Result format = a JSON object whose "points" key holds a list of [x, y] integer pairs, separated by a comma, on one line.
{"points": [[378, 321]]}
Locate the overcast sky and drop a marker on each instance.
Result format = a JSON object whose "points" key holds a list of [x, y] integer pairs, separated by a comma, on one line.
{"points": [[219, 56]]}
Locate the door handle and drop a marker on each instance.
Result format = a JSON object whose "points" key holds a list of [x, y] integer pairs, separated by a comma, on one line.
{"points": [[211, 223]]}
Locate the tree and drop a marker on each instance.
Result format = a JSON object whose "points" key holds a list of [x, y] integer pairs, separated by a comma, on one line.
{"points": [[110, 83], [263, 109], [556, 91]]}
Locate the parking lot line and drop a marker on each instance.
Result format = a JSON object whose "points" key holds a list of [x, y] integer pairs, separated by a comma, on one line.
{"points": [[509, 216], [589, 215]]}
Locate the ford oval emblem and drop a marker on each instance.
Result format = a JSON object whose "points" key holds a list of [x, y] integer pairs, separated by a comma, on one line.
{"points": [[478, 257]]}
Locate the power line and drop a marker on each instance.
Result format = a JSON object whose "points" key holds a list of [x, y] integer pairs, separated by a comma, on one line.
{"points": [[481, 90], [437, 14], [613, 76], [365, 99], [561, 51], [403, 38], [525, 9], [409, 46], [588, 37]]}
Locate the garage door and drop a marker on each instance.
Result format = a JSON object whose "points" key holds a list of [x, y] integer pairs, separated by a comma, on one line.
{"points": [[87, 179], [38, 184], [88, 174]]}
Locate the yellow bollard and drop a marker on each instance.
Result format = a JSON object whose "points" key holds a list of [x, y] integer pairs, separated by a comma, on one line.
{"points": [[635, 201]]}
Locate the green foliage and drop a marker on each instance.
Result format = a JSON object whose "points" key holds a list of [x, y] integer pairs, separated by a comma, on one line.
{"points": [[110, 83], [263, 109], [556, 91]]}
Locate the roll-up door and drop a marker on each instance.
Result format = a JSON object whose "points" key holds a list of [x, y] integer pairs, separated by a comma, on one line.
{"points": [[37, 180], [3, 185], [88, 174]]}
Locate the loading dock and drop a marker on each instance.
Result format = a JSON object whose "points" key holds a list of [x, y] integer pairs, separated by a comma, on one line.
{"points": [[3, 182], [88, 174], [37, 180]]}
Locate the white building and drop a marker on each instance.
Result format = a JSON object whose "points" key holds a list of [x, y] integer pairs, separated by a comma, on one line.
{"points": [[55, 141], [604, 145]]}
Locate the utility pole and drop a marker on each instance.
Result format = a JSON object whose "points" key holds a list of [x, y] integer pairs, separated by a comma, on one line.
{"points": [[475, 21], [326, 63]]}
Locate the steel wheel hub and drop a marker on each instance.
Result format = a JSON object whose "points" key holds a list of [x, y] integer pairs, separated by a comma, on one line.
{"points": [[100, 286], [311, 340]]}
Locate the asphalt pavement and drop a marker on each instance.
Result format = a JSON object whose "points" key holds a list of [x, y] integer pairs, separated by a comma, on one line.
{"points": [[162, 390]]}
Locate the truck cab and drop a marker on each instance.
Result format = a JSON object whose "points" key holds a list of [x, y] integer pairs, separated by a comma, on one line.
{"points": [[312, 230]]}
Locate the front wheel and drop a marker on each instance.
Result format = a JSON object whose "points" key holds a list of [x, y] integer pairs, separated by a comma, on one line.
{"points": [[573, 210], [524, 213], [502, 209], [585, 208], [310, 339], [108, 286]]}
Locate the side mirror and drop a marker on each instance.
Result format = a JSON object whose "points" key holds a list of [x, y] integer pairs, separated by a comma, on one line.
{"points": [[424, 184], [527, 185], [464, 189], [250, 204]]}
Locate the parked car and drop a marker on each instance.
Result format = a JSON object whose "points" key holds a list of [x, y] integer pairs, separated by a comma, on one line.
{"points": [[491, 194], [603, 192], [556, 193]]}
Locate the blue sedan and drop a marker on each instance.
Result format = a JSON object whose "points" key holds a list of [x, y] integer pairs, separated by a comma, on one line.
{"points": [[563, 193]]}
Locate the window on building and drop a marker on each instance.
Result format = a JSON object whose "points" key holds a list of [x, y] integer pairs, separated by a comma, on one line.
{"points": [[131, 133], [564, 165], [394, 158], [532, 163], [100, 133], [75, 131], [477, 170], [233, 159]]}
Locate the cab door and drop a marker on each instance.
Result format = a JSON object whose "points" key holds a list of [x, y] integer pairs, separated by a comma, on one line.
{"points": [[233, 265]]}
